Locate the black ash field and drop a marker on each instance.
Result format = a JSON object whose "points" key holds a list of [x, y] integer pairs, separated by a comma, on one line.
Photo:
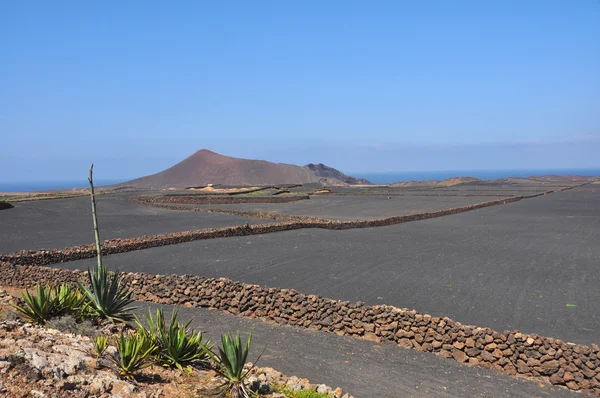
{"points": [[532, 265], [58, 223]]}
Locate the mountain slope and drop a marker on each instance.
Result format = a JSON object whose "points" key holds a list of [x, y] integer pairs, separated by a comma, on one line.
{"points": [[207, 167], [320, 170]]}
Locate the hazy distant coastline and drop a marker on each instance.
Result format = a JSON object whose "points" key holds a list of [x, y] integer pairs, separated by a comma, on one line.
{"points": [[32, 186], [395, 176], [376, 178]]}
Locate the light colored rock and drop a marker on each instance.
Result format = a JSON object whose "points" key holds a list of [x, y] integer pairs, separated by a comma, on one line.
{"points": [[36, 358], [122, 389], [323, 389], [101, 384]]}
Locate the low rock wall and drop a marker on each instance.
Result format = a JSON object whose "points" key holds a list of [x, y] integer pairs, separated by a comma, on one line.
{"points": [[572, 365], [216, 200], [409, 194], [5, 205]]}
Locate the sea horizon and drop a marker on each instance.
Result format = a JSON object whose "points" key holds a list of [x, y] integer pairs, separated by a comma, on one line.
{"points": [[34, 186], [387, 177]]}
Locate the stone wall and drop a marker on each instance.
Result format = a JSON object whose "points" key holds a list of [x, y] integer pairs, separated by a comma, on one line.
{"points": [[572, 365], [442, 194], [214, 200]]}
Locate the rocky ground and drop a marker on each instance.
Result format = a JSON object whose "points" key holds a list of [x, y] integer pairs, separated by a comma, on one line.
{"points": [[38, 361]]}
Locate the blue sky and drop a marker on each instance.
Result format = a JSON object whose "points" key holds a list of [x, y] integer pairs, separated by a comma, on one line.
{"points": [[137, 86]]}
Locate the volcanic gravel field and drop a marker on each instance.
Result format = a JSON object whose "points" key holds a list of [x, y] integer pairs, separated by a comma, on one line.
{"points": [[57, 223], [530, 265], [359, 207], [363, 368]]}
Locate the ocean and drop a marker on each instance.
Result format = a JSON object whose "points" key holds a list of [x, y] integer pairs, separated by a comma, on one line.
{"points": [[377, 178], [29, 186]]}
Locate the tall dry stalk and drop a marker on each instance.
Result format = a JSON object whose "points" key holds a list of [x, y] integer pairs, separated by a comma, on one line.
{"points": [[96, 232]]}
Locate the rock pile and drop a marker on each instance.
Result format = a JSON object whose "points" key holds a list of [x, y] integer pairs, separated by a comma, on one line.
{"points": [[43, 362]]}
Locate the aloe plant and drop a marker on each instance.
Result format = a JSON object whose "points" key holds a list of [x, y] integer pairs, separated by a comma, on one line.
{"points": [[134, 353], [231, 361], [41, 307], [178, 346], [109, 299]]}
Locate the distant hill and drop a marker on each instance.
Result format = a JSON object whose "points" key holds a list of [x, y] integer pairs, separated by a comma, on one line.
{"points": [[320, 170], [448, 182], [206, 167], [533, 180]]}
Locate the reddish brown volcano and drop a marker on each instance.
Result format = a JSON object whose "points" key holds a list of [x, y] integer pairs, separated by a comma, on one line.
{"points": [[207, 167]]}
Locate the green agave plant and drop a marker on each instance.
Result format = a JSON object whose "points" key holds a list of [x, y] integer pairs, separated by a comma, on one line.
{"points": [[108, 298], [71, 301], [41, 307], [100, 345], [134, 353], [231, 360], [177, 345]]}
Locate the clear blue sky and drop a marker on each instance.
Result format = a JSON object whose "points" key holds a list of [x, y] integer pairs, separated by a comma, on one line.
{"points": [[136, 86]]}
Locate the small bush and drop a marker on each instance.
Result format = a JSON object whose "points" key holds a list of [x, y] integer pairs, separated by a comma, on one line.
{"points": [[68, 324], [288, 392], [109, 299], [177, 346], [134, 353]]}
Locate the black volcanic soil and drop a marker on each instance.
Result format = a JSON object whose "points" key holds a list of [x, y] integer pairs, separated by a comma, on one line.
{"points": [[513, 266], [59, 223], [363, 368], [358, 207]]}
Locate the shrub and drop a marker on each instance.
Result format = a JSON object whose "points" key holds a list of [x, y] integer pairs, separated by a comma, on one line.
{"points": [[231, 360], [134, 353], [177, 346], [39, 308], [288, 392], [68, 324], [109, 299]]}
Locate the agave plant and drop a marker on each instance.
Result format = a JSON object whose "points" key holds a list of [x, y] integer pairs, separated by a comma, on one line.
{"points": [[41, 307], [177, 345], [70, 301], [231, 361], [100, 345], [134, 353], [109, 299]]}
